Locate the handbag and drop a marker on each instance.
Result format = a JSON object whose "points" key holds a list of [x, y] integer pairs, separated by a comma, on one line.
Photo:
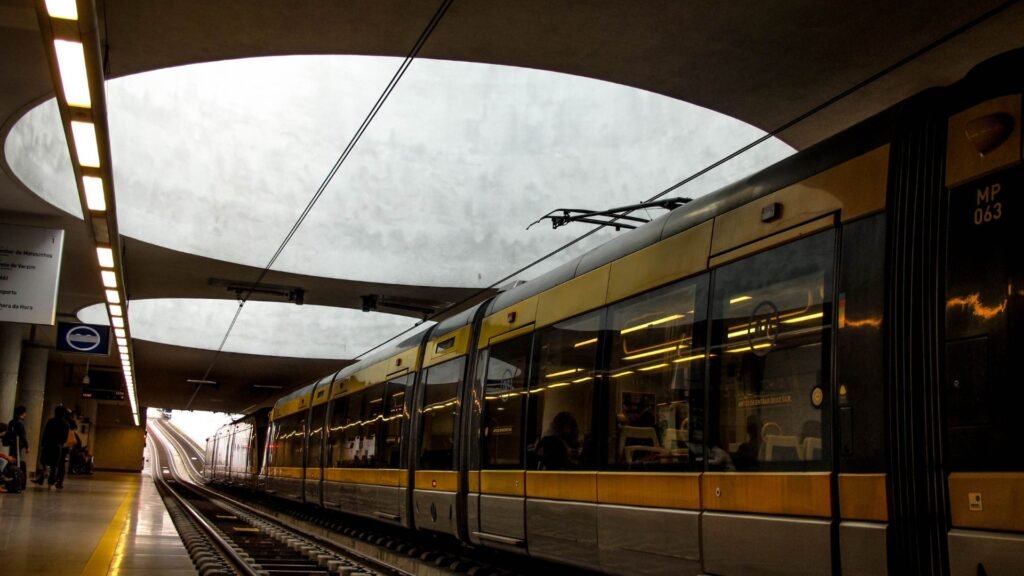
{"points": [[71, 441]]}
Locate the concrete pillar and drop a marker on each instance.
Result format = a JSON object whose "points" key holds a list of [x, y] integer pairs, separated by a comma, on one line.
{"points": [[11, 336], [31, 392]]}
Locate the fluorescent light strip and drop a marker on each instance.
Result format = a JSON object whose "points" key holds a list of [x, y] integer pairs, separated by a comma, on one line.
{"points": [[115, 310], [117, 321], [738, 333], [71, 64], [585, 343], [105, 257], [84, 134], [650, 324], [564, 372], [113, 297], [655, 367], [63, 9], [748, 348], [122, 341], [94, 196], [804, 318], [119, 332], [109, 278], [739, 299], [652, 353]]}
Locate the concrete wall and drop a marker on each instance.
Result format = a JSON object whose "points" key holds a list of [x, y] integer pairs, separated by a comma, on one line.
{"points": [[119, 448]]}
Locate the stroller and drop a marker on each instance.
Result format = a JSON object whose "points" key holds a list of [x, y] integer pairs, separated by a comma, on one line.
{"points": [[80, 459]]}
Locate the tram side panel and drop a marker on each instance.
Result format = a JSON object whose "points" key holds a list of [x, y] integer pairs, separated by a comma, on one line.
{"points": [[984, 322], [286, 446]]}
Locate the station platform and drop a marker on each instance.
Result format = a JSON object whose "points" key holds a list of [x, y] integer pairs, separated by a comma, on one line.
{"points": [[106, 523]]}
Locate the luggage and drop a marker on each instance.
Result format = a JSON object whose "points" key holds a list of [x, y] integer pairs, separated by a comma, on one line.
{"points": [[13, 479]]}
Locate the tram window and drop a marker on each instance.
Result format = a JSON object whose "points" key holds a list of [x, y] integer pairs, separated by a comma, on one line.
{"points": [[335, 422], [395, 418], [290, 434], [316, 434], [561, 397], [373, 414], [440, 415], [346, 428], [860, 368], [656, 378], [769, 399], [504, 400]]}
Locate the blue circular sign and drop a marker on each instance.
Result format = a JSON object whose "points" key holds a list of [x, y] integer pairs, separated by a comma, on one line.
{"points": [[83, 338]]}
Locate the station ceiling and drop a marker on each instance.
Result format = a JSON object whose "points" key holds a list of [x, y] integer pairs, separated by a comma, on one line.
{"points": [[762, 63]]}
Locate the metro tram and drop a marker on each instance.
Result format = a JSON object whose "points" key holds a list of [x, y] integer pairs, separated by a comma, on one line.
{"points": [[806, 372]]}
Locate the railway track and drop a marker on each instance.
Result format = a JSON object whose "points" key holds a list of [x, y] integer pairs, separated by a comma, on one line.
{"points": [[225, 536], [364, 547]]}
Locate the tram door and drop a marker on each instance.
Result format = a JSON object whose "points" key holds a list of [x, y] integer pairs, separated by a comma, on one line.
{"points": [[501, 504], [984, 341], [313, 486]]}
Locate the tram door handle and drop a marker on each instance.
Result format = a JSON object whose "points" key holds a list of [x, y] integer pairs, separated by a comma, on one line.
{"points": [[846, 430]]}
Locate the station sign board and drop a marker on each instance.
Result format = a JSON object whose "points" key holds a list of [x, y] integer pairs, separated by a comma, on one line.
{"points": [[83, 338], [29, 273]]}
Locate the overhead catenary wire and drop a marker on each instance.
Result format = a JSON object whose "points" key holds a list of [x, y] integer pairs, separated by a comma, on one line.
{"points": [[367, 120], [725, 159]]}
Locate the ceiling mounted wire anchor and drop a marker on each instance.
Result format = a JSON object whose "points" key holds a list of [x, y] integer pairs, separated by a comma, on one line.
{"points": [[617, 218]]}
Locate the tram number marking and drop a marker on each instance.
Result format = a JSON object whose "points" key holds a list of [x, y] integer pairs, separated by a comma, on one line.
{"points": [[987, 207]]}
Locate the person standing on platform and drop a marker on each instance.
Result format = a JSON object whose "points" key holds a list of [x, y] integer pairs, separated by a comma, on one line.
{"points": [[17, 439], [70, 441], [55, 435]]}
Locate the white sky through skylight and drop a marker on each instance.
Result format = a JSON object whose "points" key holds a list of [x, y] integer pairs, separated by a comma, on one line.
{"points": [[219, 160]]}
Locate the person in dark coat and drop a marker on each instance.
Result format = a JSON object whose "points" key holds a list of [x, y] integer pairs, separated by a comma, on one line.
{"points": [[19, 440], [55, 434]]}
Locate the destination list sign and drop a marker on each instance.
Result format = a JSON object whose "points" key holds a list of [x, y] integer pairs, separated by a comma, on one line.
{"points": [[29, 273]]}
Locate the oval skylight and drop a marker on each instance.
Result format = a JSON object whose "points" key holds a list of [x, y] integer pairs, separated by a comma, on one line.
{"points": [[265, 328], [220, 159]]}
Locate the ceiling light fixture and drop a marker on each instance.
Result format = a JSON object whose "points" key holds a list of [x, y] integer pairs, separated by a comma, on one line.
{"points": [[63, 9], [71, 63], [109, 278], [94, 197], [105, 257], [88, 150], [113, 297]]}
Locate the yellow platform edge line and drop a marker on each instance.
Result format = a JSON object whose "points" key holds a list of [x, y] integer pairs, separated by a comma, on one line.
{"points": [[99, 562]]}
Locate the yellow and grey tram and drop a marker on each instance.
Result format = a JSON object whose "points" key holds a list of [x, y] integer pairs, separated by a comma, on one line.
{"points": [[806, 372]]}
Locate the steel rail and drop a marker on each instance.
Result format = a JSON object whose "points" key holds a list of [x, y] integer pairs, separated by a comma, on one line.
{"points": [[193, 484], [225, 548]]}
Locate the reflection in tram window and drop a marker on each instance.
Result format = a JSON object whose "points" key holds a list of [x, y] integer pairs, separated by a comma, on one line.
{"points": [[289, 434], [316, 430], [373, 413], [395, 419], [440, 415], [345, 438], [769, 358], [562, 396], [656, 376], [504, 398]]}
